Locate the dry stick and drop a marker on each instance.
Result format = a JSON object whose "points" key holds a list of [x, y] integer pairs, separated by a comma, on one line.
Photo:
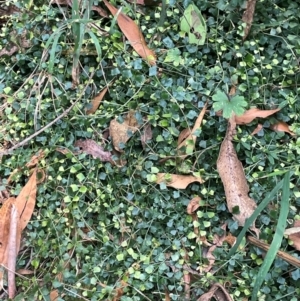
{"points": [[285, 256], [6, 152]]}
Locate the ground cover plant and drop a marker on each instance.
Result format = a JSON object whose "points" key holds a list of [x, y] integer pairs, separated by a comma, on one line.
{"points": [[149, 150]]}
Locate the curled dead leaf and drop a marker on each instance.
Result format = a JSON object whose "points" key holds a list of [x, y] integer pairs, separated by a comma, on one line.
{"points": [[91, 147], [177, 181], [257, 129], [5, 213], [133, 34], [35, 159], [25, 201], [14, 241], [187, 137], [146, 134], [253, 113], [282, 126], [295, 237], [96, 101], [233, 177], [120, 132], [193, 205], [248, 17], [216, 292]]}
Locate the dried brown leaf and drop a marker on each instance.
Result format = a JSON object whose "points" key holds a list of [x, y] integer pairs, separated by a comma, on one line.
{"points": [[25, 272], [253, 113], [282, 126], [133, 34], [119, 131], [189, 142], [257, 129], [295, 237], [35, 159], [75, 75], [183, 135], [5, 213], [91, 147], [100, 11], [217, 242], [167, 295], [233, 177], [216, 292], [14, 241], [96, 101], [248, 17], [25, 201], [146, 134], [177, 181], [54, 295], [193, 205], [230, 239]]}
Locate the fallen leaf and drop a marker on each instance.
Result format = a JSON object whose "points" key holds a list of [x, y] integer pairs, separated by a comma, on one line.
{"points": [[5, 213], [183, 135], [167, 295], [96, 101], [24, 272], [230, 239], [248, 17], [75, 73], [233, 177], [282, 126], [216, 292], [118, 291], [91, 147], [14, 241], [133, 34], [35, 159], [257, 129], [146, 134], [217, 242], [119, 131], [188, 136], [25, 201], [193, 205], [177, 181], [253, 113], [294, 237]]}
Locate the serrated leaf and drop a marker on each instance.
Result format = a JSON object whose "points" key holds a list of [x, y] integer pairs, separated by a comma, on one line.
{"points": [[229, 105], [194, 25]]}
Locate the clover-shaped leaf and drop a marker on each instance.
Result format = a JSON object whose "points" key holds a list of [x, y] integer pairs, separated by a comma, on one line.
{"points": [[229, 105]]}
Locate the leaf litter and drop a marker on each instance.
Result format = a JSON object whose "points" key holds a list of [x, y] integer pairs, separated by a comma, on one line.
{"points": [[133, 34], [187, 138], [234, 181], [96, 101], [177, 181], [282, 126], [253, 113], [122, 132]]}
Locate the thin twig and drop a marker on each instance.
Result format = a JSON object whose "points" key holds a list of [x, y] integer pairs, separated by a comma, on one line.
{"points": [[283, 255], [6, 152]]}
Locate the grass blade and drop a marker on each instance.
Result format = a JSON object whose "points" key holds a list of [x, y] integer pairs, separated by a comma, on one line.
{"points": [[255, 214], [96, 42], [52, 51], [275, 245]]}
